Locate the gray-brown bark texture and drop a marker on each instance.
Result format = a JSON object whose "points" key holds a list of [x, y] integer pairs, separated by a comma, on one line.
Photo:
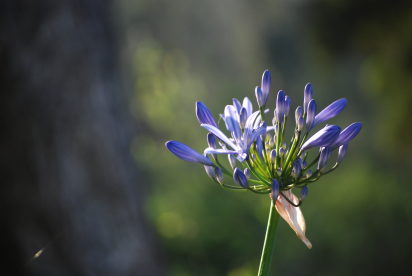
{"points": [[69, 184]]}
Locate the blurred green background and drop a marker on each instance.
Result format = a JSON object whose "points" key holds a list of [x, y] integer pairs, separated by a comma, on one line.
{"points": [[358, 218]]}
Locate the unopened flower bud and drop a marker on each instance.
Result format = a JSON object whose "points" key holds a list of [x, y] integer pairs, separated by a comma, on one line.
{"points": [[259, 96], [304, 164], [215, 173], [304, 192], [232, 160], [219, 175], [342, 152], [210, 171], [263, 136], [309, 173], [307, 95], [203, 114], [310, 115], [323, 158], [298, 113], [296, 169], [186, 153], [322, 138], [330, 111], [240, 178], [211, 140], [300, 124], [275, 190], [243, 117], [347, 134], [237, 104], [287, 103], [265, 86], [259, 147], [280, 106], [273, 155]]}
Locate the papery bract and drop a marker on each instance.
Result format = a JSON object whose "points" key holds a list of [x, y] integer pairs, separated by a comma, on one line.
{"points": [[292, 215]]}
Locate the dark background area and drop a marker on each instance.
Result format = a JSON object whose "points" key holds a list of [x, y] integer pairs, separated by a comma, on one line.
{"points": [[92, 90]]}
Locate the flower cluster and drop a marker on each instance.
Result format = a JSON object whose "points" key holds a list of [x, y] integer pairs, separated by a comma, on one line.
{"points": [[261, 160]]}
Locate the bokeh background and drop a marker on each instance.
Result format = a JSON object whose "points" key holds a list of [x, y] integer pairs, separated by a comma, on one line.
{"points": [[169, 54]]}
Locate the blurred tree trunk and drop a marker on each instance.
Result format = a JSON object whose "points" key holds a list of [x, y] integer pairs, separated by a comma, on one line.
{"points": [[69, 184]]}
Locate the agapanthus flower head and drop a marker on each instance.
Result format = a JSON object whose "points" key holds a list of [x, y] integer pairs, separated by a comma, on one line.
{"points": [[260, 160]]}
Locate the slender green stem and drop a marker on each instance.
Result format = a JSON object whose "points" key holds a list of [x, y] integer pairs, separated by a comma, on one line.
{"points": [[268, 245]]}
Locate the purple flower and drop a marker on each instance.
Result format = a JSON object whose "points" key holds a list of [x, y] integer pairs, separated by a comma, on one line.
{"points": [[322, 138], [211, 140], [260, 154], [299, 118], [232, 121], [240, 178], [298, 113], [186, 153], [296, 168], [275, 190], [232, 161], [280, 106], [311, 113], [287, 104], [242, 142], [265, 86], [330, 111], [236, 104], [215, 173], [243, 117], [307, 95], [259, 96], [304, 192], [348, 134], [219, 175], [203, 114], [324, 156], [342, 152], [247, 104], [259, 147], [210, 171]]}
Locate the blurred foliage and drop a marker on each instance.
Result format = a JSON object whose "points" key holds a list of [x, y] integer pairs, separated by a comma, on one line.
{"points": [[377, 34], [358, 217]]}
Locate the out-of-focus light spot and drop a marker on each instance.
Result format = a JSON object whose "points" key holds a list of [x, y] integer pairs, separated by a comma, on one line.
{"points": [[38, 253]]}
